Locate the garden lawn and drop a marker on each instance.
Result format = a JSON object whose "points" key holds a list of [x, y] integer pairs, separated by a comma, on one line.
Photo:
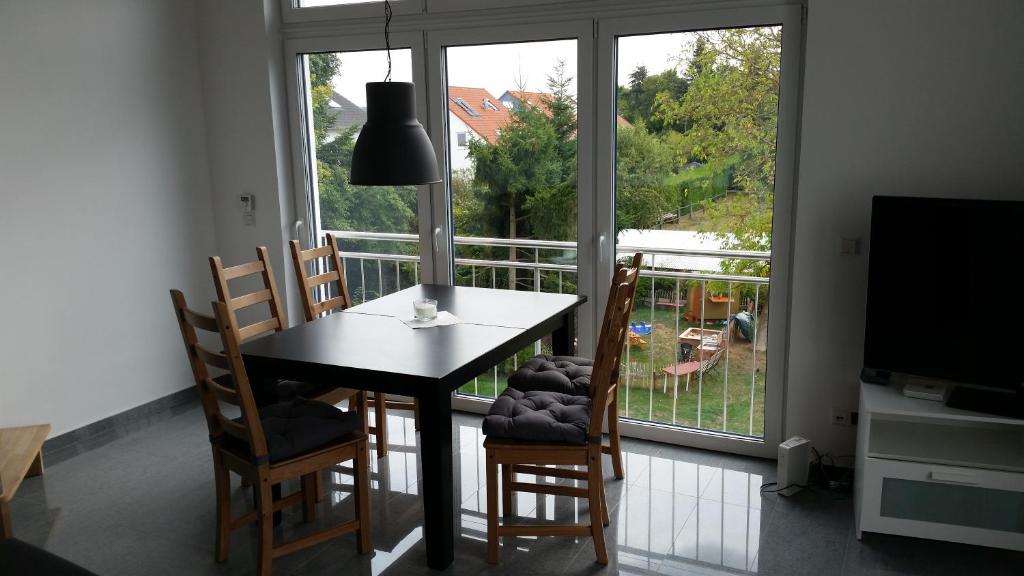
{"points": [[713, 401]]}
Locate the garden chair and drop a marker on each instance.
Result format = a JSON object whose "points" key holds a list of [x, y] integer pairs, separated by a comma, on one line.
{"points": [[708, 357]]}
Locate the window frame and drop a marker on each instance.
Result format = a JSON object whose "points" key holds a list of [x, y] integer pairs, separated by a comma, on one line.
{"points": [[459, 22], [293, 14], [304, 179], [789, 17], [582, 32]]}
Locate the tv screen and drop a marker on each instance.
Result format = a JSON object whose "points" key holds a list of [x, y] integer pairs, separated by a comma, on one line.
{"points": [[944, 290]]}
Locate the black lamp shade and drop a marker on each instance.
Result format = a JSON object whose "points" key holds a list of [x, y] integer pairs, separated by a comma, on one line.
{"points": [[393, 148]]}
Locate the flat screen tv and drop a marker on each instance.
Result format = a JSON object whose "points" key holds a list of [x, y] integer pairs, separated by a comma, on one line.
{"points": [[946, 295]]}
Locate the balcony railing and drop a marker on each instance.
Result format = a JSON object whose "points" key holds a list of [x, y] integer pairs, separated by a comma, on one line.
{"points": [[685, 364]]}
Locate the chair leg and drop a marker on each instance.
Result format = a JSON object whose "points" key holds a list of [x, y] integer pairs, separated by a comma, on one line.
{"points": [[222, 484], [595, 485], [5, 522], [265, 522], [37, 466], [507, 476], [492, 508], [615, 440], [318, 487], [605, 519], [364, 543], [381, 424], [311, 491]]}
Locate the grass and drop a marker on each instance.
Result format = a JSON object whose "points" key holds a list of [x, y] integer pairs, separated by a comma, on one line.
{"points": [[713, 402], [718, 400]]}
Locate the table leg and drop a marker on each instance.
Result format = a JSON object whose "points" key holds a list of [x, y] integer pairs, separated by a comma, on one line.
{"points": [[563, 339], [438, 485]]}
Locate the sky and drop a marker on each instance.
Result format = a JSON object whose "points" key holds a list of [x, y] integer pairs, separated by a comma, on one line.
{"points": [[498, 67]]}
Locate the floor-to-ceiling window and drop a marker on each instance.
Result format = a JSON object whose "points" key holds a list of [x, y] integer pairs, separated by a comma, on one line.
{"points": [[510, 112], [568, 141]]}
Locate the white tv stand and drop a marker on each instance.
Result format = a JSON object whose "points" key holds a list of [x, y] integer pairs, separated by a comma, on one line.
{"points": [[930, 471]]}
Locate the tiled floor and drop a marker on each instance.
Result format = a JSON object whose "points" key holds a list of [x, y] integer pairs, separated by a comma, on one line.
{"points": [[141, 502]]}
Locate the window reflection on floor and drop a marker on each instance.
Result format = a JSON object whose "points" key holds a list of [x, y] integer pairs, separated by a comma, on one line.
{"points": [[677, 511]]}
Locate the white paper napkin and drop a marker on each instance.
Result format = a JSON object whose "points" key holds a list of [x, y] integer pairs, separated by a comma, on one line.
{"points": [[443, 319]]}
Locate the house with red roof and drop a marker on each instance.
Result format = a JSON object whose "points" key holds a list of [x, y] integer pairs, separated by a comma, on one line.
{"points": [[476, 113], [472, 113]]}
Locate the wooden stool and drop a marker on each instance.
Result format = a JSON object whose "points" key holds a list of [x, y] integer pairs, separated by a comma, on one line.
{"points": [[21, 455]]}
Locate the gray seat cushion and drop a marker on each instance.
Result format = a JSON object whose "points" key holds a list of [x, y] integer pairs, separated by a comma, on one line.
{"points": [[301, 425], [298, 426], [539, 417], [564, 374]]}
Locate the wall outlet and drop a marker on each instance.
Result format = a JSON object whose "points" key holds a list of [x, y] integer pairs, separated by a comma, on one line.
{"points": [[841, 417], [849, 246]]}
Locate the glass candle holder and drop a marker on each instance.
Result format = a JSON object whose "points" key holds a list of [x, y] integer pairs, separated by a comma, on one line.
{"points": [[424, 309]]}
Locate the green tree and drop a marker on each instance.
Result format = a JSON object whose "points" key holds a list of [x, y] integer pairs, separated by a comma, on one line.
{"points": [[342, 205], [731, 110], [525, 182], [637, 102], [322, 69], [731, 106], [641, 195]]}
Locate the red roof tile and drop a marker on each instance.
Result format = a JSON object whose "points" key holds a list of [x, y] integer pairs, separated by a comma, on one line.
{"points": [[485, 120], [532, 99]]}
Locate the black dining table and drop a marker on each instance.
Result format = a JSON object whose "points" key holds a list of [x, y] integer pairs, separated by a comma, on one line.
{"points": [[368, 347]]}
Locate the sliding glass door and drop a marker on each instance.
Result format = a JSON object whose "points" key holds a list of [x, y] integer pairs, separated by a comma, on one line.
{"points": [[566, 146], [700, 185], [512, 117]]}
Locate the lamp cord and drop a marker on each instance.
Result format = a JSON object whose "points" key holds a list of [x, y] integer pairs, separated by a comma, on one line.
{"points": [[387, 36]]}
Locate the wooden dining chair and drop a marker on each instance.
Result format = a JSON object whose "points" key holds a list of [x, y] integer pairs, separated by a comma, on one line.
{"points": [[284, 441], [528, 431], [321, 277], [277, 321], [571, 375], [261, 270]]}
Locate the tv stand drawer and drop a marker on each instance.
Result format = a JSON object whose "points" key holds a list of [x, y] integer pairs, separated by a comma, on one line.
{"points": [[959, 504]]}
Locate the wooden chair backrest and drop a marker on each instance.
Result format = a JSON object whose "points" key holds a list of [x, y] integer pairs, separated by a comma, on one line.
{"points": [[611, 341], [325, 259], [261, 266], [211, 392]]}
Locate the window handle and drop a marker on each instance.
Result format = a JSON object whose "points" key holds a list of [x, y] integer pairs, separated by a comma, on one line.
{"points": [[600, 245], [296, 228], [437, 234]]}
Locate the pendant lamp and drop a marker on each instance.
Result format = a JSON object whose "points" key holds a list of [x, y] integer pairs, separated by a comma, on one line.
{"points": [[393, 148]]}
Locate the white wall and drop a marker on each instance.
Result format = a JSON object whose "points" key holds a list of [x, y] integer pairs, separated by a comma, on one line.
{"points": [[909, 97], [243, 91], [459, 155], [104, 205]]}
